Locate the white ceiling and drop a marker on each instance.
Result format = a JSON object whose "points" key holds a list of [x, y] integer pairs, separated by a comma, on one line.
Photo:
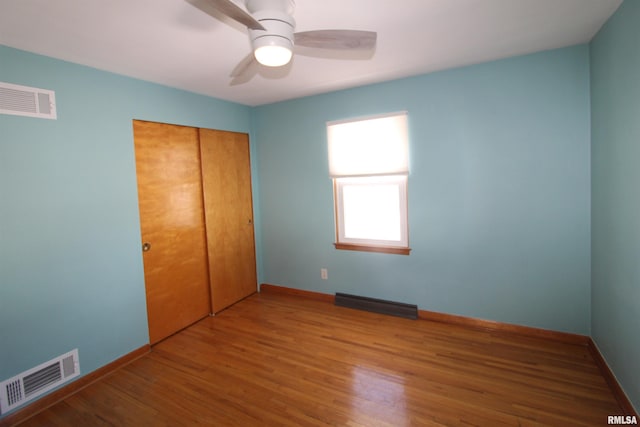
{"points": [[173, 43]]}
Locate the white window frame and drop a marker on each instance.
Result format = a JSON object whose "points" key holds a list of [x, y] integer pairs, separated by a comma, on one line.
{"points": [[399, 181], [351, 162]]}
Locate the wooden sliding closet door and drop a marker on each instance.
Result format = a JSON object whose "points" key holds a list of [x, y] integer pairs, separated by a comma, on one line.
{"points": [[172, 226], [226, 176]]}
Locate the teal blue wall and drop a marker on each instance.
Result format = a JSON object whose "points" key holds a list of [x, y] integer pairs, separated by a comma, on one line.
{"points": [[615, 112], [500, 202], [499, 192], [70, 263]]}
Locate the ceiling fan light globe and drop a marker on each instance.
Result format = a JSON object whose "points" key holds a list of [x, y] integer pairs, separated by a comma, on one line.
{"points": [[273, 54]]}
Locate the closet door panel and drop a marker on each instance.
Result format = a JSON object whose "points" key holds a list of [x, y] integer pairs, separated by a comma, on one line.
{"points": [[226, 178], [172, 225]]}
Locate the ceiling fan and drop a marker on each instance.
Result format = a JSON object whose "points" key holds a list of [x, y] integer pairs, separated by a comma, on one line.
{"points": [[271, 30]]}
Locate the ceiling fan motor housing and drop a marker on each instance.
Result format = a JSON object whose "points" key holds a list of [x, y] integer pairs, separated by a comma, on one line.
{"points": [[277, 17], [285, 6], [279, 30]]}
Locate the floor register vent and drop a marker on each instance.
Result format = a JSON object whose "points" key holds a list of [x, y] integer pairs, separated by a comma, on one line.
{"points": [[409, 311], [30, 384]]}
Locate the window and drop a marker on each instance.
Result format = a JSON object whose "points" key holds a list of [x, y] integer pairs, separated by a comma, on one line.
{"points": [[369, 164]]}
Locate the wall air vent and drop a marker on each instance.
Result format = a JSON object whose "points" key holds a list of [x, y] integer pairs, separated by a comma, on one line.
{"points": [[27, 101], [30, 384]]}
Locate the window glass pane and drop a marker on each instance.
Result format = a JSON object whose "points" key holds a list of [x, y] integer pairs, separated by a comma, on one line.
{"points": [[372, 212]]}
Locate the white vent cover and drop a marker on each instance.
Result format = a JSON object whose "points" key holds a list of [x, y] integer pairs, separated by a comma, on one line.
{"points": [[30, 384], [27, 101]]}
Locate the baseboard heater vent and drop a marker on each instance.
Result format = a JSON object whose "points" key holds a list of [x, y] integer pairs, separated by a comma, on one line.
{"points": [[30, 384], [409, 311]]}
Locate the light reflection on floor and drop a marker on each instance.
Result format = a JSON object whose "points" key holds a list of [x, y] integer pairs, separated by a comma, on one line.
{"points": [[378, 398]]}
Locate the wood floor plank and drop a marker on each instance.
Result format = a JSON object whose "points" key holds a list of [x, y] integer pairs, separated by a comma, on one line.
{"points": [[276, 359]]}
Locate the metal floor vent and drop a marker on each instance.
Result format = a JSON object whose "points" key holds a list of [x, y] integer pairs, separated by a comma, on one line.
{"points": [[30, 384], [409, 311], [27, 101]]}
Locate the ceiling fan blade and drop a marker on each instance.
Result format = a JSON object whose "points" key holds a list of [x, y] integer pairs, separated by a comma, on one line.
{"points": [[230, 9], [336, 39], [245, 70]]}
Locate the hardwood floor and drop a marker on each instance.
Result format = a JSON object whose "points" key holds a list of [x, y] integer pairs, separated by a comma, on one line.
{"points": [[287, 360]]}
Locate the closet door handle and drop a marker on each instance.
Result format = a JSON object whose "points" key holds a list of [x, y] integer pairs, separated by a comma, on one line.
{"points": [[146, 246]]}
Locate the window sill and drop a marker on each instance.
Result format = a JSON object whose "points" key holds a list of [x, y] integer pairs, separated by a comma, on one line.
{"points": [[381, 249]]}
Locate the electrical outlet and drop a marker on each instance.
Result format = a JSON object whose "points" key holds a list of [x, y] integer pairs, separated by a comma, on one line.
{"points": [[324, 273]]}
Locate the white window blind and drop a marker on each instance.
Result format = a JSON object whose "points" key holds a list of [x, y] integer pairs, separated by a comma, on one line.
{"points": [[377, 145]]}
